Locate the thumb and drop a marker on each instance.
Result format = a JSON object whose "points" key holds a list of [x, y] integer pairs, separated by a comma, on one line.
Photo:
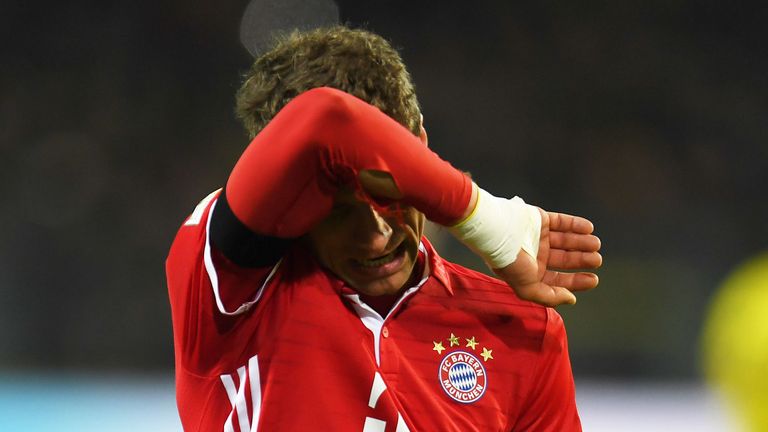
{"points": [[546, 295]]}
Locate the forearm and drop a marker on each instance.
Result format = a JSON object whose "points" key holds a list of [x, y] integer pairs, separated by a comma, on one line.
{"points": [[285, 180]]}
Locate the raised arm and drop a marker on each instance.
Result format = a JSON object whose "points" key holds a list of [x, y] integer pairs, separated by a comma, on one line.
{"points": [[285, 181]]}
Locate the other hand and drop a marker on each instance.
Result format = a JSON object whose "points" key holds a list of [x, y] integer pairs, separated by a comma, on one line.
{"points": [[566, 243]]}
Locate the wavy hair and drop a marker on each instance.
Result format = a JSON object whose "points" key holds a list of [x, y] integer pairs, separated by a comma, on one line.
{"points": [[355, 61]]}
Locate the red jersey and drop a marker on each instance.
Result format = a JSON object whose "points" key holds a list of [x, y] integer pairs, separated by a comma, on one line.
{"points": [[291, 348]]}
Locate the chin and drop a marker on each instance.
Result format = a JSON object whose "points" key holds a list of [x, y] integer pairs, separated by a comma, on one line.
{"points": [[384, 286]]}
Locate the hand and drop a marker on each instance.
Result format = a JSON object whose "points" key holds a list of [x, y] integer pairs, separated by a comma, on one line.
{"points": [[566, 243]]}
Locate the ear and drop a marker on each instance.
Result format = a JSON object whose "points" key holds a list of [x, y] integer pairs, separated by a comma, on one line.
{"points": [[423, 132]]}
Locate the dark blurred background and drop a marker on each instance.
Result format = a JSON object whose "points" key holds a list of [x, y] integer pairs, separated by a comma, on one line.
{"points": [[116, 118]]}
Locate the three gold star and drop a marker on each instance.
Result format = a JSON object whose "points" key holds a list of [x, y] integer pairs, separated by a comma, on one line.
{"points": [[453, 340]]}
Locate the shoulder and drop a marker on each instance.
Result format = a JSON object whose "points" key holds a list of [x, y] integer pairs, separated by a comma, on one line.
{"points": [[485, 295], [190, 238], [468, 283]]}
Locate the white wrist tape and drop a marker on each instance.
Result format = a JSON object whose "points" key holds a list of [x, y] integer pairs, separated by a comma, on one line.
{"points": [[498, 228]]}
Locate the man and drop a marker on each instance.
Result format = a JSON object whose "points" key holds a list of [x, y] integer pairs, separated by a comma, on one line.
{"points": [[304, 296]]}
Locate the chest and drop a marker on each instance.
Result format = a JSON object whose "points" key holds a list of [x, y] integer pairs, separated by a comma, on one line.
{"points": [[427, 363]]}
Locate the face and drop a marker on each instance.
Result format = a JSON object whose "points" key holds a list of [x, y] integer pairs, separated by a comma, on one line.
{"points": [[374, 253]]}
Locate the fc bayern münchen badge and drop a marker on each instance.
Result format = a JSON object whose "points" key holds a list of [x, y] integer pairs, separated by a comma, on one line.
{"points": [[462, 376]]}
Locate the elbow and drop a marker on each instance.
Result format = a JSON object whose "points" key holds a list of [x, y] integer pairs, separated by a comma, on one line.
{"points": [[328, 107]]}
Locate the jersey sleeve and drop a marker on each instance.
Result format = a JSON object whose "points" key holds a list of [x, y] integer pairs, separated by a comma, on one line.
{"points": [[238, 243], [285, 180], [552, 402], [206, 288]]}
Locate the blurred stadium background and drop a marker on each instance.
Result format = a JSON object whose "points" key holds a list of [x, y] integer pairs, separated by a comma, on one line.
{"points": [[116, 118]]}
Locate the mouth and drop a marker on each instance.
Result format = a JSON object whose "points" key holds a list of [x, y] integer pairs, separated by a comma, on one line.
{"points": [[386, 263], [381, 260]]}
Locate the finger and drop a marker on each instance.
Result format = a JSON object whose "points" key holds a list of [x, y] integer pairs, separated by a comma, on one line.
{"points": [[572, 260], [582, 281], [545, 294], [565, 222], [572, 241]]}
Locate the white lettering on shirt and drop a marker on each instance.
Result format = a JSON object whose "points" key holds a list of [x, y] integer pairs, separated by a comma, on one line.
{"points": [[247, 422]]}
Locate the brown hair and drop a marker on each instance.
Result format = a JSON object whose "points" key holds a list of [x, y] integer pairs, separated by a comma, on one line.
{"points": [[355, 61]]}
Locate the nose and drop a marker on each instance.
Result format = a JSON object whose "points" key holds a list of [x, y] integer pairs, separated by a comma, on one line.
{"points": [[371, 228]]}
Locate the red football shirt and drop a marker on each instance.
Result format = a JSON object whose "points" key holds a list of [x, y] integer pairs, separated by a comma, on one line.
{"points": [[291, 348]]}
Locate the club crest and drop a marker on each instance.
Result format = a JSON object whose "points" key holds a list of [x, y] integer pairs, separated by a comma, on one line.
{"points": [[463, 377], [461, 374]]}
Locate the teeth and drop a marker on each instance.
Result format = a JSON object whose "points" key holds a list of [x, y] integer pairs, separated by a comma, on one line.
{"points": [[378, 261]]}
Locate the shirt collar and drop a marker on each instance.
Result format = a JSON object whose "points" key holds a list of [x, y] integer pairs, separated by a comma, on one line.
{"points": [[436, 265]]}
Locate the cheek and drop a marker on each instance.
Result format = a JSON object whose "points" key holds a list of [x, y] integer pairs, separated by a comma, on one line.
{"points": [[422, 220], [325, 245], [415, 222]]}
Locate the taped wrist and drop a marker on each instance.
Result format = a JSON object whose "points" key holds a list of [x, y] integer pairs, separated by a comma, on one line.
{"points": [[498, 228]]}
